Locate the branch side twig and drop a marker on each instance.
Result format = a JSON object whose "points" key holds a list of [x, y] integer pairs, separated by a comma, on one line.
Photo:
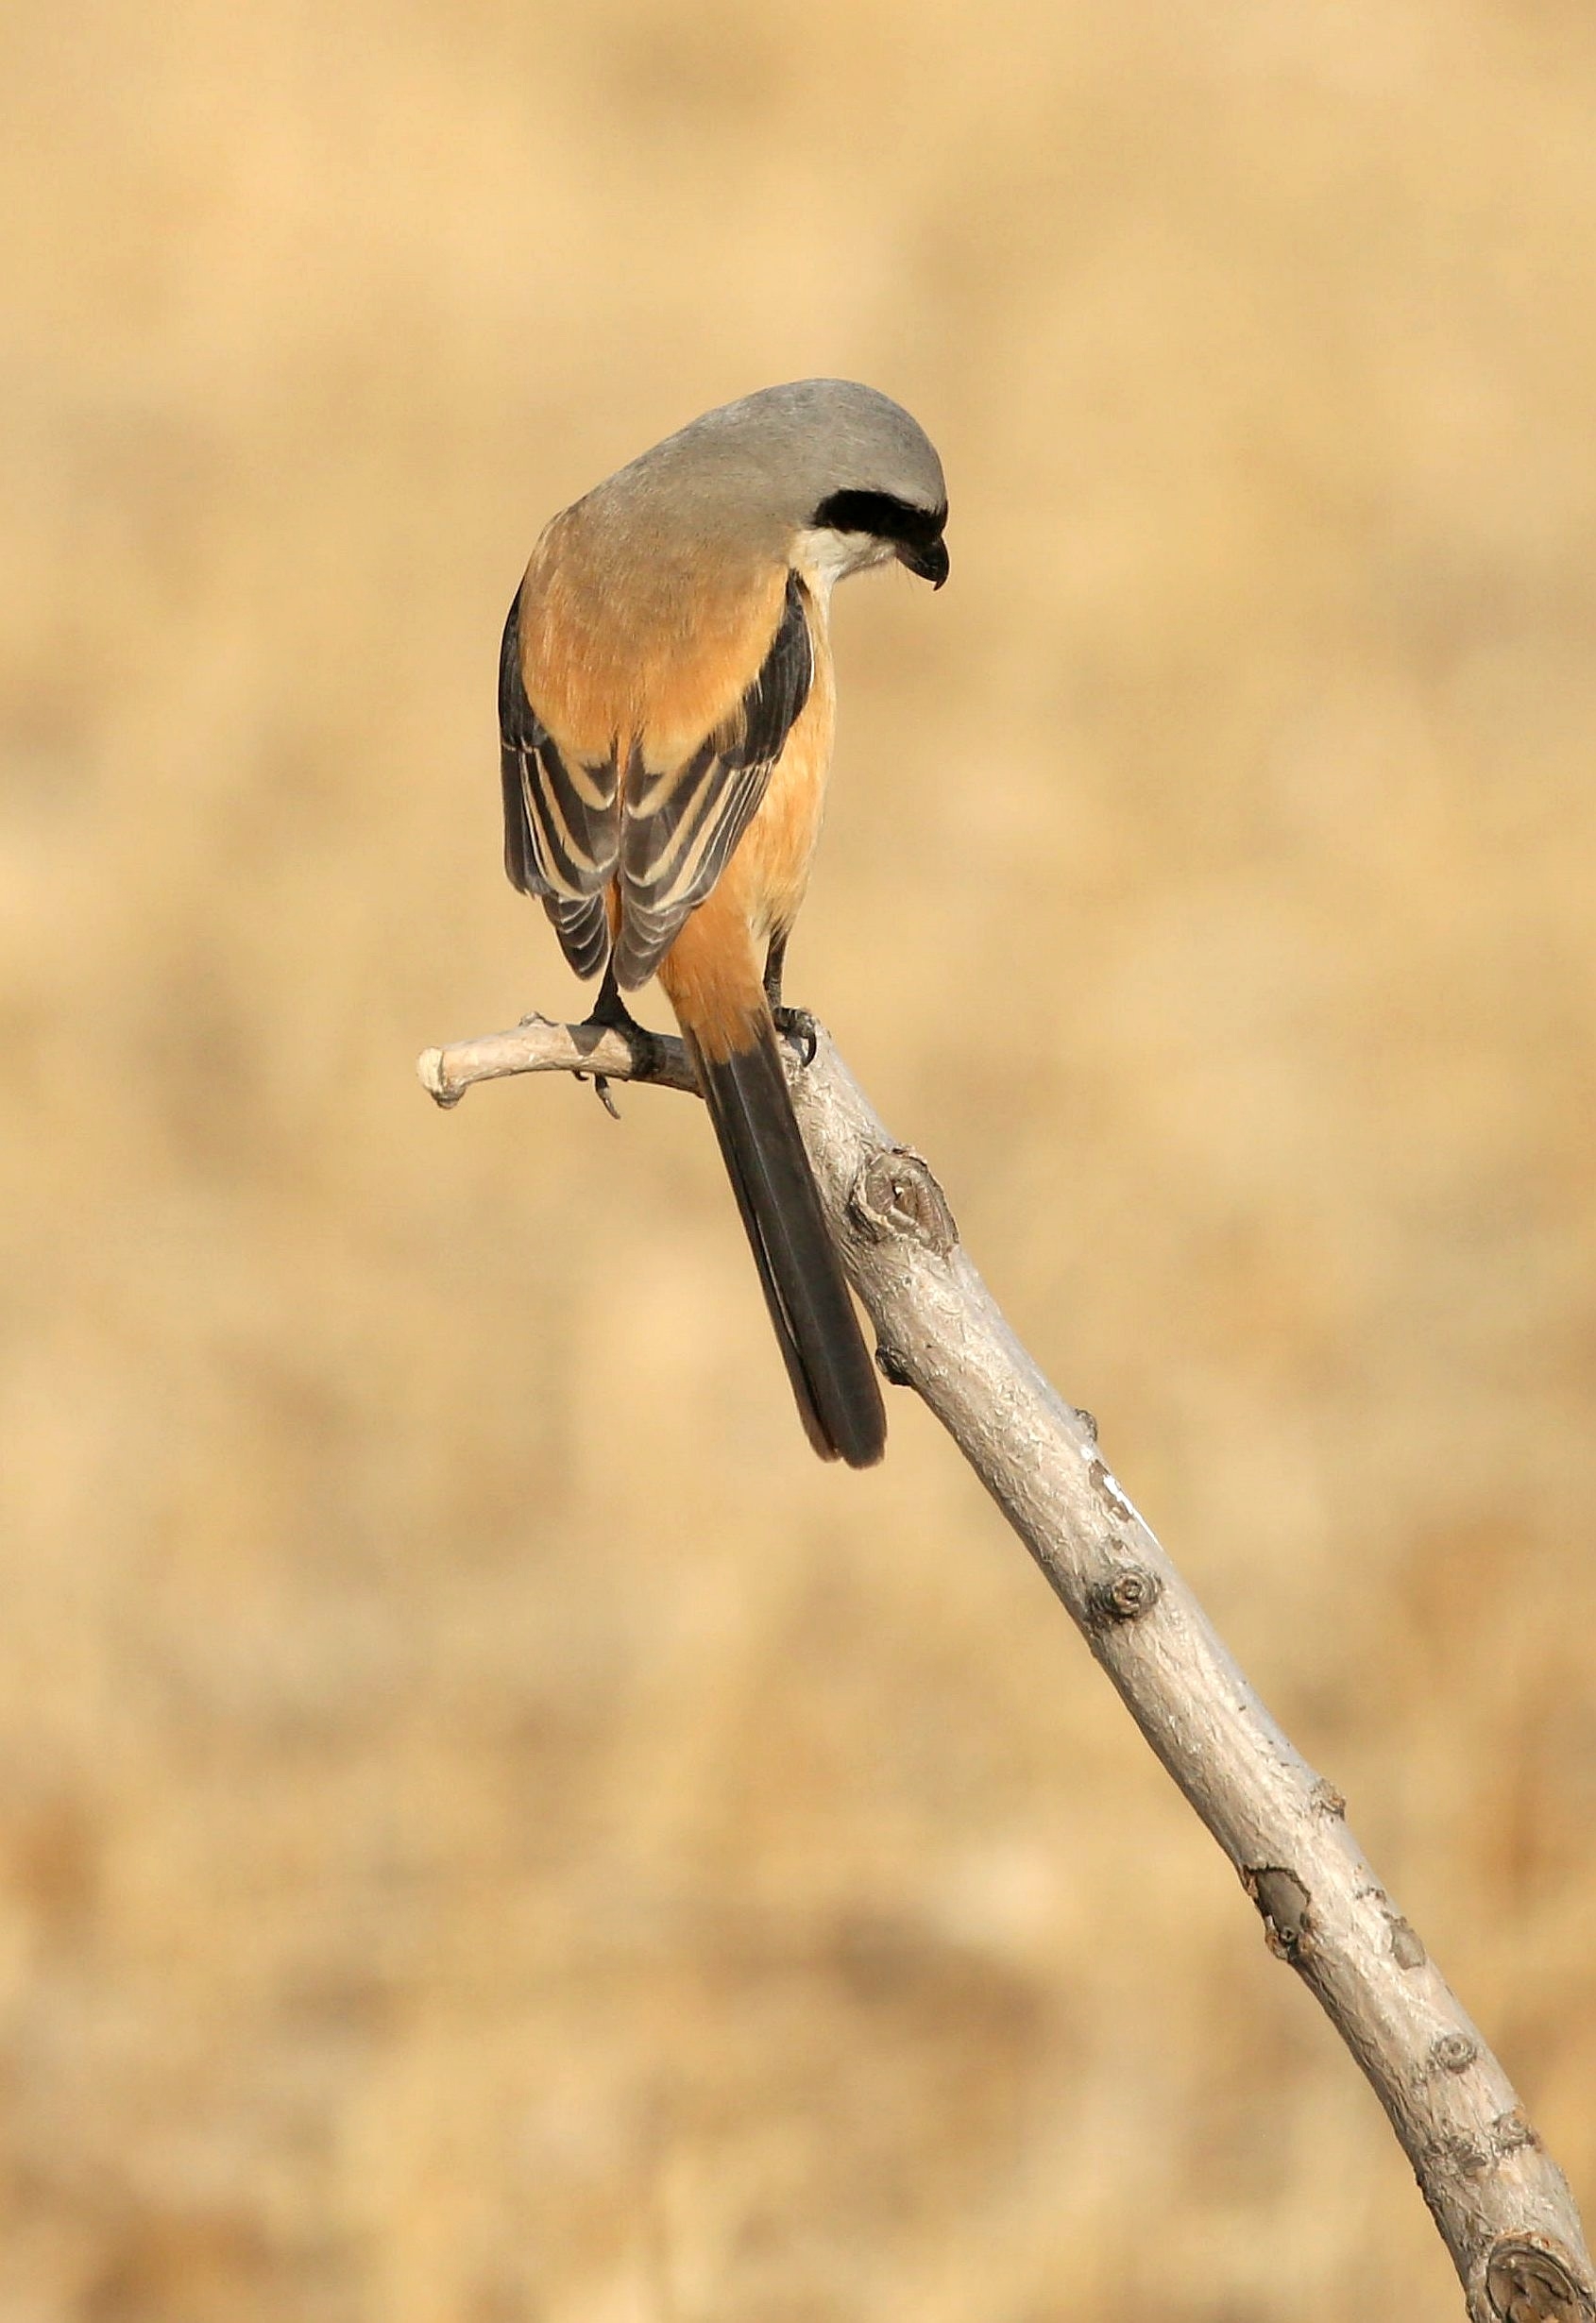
{"points": [[1501, 2203]]}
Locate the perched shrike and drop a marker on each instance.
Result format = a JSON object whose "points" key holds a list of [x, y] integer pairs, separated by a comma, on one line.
{"points": [[665, 707]]}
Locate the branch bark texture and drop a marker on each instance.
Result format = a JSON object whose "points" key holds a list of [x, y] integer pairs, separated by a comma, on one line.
{"points": [[1501, 2203]]}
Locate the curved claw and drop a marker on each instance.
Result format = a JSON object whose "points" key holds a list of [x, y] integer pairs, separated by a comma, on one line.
{"points": [[610, 1013], [601, 1090], [798, 1026]]}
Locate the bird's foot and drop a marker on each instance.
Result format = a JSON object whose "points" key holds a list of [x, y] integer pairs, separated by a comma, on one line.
{"points": [[800, 1028], [610, 1013]]}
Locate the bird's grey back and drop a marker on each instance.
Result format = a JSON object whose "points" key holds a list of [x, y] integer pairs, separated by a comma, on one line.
{"points": [[763, 465]]}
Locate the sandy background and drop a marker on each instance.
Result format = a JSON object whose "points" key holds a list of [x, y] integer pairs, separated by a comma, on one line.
{"points": [[491, 1831]]}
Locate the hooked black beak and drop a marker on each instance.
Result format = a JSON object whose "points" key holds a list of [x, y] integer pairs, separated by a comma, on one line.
{"points": [[929, 558]]}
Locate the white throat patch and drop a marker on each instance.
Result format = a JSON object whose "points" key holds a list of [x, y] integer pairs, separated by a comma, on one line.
{"points": [[824, 557]]}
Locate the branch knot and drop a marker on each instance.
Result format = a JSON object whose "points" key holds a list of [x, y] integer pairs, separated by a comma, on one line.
{"points": [[1126, 1593], [896, 1195], [1527, 2283], [1282, 1899]]}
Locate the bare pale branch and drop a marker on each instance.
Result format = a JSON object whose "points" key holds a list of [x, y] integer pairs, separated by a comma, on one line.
{"points": [[1500, 2201]]}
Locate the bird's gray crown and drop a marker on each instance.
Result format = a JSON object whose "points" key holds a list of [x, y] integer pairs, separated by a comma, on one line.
{"points": [[771, 463]]}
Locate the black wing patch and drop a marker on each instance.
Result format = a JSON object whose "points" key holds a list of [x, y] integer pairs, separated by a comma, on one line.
{"points": [[679, 827], [561, 822]]}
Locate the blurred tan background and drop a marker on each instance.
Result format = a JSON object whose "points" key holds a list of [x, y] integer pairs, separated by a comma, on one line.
{"points": [[491, 1831]]}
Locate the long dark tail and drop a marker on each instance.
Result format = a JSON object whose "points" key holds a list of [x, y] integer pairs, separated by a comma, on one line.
{"points": [[832, 1374]]}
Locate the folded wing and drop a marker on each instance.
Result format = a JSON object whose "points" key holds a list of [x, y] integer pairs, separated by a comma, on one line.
{"points": [[562, 820], [680, 826], [664, 835]]}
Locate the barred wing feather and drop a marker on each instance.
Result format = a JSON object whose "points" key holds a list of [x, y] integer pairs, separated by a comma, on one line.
{"points": [[569, 833], [679, 827], [562, 820]]}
